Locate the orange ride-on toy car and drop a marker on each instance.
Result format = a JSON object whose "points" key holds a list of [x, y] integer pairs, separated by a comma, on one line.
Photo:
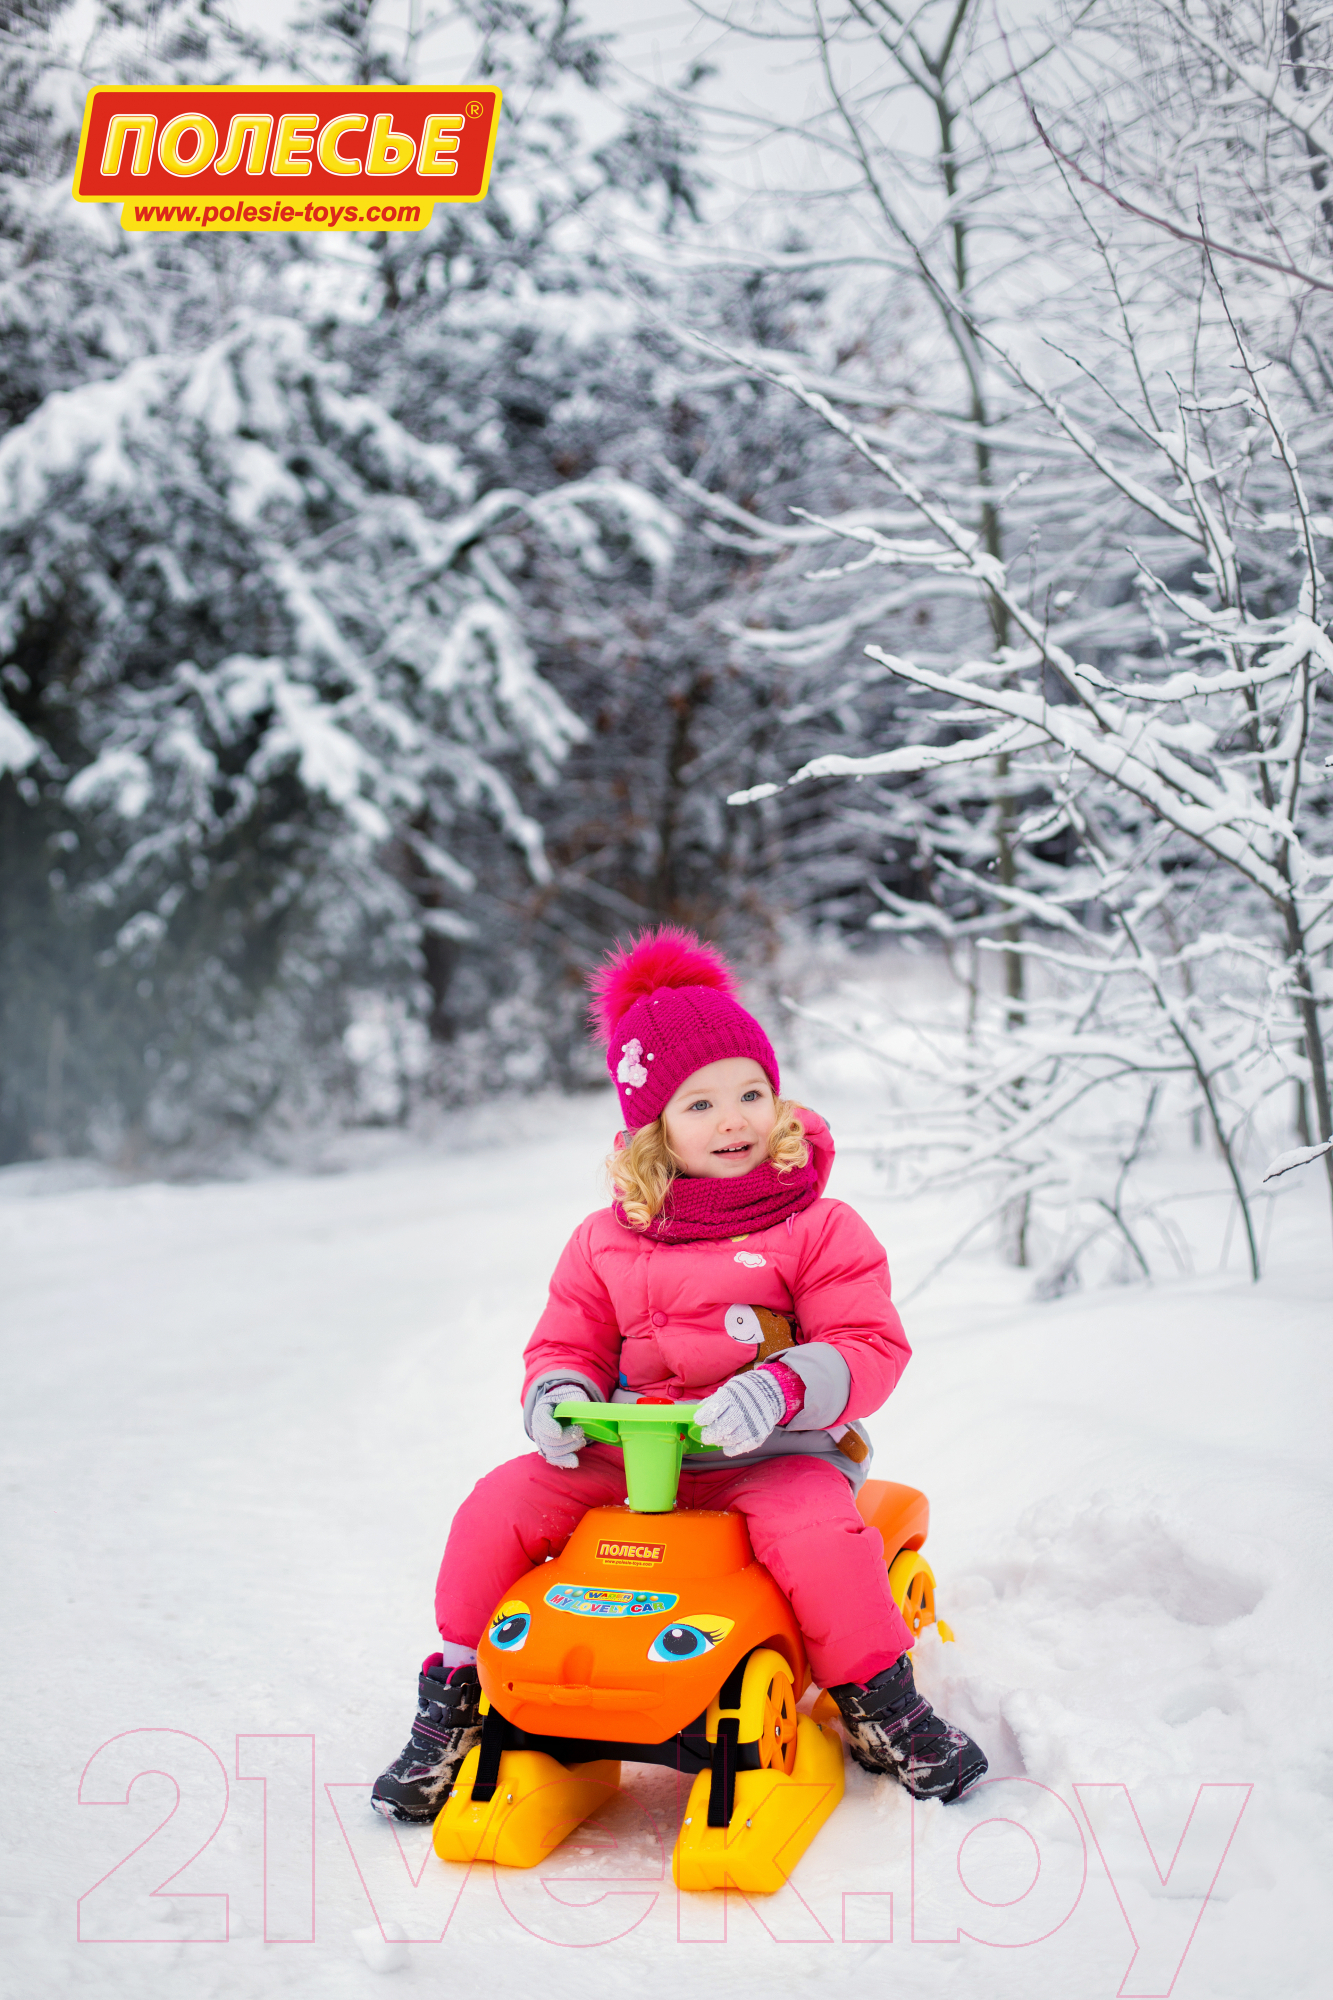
{"points": [[654, 1637]]}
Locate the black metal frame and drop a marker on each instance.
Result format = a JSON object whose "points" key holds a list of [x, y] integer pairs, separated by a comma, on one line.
{"points": [[688, 1751]]}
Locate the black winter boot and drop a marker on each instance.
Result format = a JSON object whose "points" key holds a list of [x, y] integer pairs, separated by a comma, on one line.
{"points": [[447, 1725], [890, 1728]]}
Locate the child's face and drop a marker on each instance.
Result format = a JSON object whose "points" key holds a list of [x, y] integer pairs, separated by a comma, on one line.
{"points": [[719, 1120]]}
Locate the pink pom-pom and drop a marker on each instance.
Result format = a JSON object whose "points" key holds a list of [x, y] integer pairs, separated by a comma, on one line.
{"points": [[668, 956]]}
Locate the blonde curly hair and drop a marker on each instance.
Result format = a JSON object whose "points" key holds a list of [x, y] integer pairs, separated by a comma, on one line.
{"points": [[642, 1171]]}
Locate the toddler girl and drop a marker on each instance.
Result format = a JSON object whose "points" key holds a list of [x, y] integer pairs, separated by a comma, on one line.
{"points": [[720, 1275]]}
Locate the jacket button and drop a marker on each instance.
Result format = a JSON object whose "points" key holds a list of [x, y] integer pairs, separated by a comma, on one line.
{"points": [[659, 1319]]}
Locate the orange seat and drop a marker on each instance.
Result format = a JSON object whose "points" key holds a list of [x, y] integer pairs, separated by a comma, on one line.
{"points": [[901, 1514]]}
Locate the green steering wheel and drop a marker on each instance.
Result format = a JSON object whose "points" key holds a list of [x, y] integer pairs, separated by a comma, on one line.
{"points": [[654, 1438]]}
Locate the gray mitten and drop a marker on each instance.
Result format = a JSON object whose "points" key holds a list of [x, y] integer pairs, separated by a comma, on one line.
{"points": [[557, 1444], [740, 1415]]}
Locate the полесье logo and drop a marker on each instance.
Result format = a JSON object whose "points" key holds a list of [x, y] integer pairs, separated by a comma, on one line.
{"points": [[637, 1555], [368, 157]]}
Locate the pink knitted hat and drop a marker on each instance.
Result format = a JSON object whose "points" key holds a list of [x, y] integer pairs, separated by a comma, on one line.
{"points": [[667, 1007]]}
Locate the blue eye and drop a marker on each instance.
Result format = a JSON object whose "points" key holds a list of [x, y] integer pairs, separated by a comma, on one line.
{"points": [[510, 1633], [681, 1642]]}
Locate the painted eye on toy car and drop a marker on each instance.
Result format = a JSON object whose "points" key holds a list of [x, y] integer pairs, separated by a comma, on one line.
{"points": [[510, 1626], [689, 1640]]}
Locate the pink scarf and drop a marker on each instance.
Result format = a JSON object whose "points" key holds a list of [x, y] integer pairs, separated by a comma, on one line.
{"points": [[699, 1209]]}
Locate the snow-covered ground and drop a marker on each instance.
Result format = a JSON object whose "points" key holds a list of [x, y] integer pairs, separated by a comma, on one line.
{"points": [[237, 1419]]}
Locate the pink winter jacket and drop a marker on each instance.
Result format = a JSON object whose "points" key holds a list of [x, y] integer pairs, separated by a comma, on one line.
{"points": [[630, 1317]]}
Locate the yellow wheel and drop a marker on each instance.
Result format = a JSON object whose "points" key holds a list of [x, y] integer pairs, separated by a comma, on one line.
{"points": [[912, 1582], [766, 1712], [777, 1740]]}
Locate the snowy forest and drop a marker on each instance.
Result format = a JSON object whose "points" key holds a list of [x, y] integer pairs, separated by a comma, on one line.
{"points": [[868, 483]]}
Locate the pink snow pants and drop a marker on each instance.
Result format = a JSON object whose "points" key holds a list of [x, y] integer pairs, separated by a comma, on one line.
{"points": [[804, 1528]]}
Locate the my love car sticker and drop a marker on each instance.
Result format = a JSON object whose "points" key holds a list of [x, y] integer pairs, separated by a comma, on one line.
{"points": [[585, 1601]]}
